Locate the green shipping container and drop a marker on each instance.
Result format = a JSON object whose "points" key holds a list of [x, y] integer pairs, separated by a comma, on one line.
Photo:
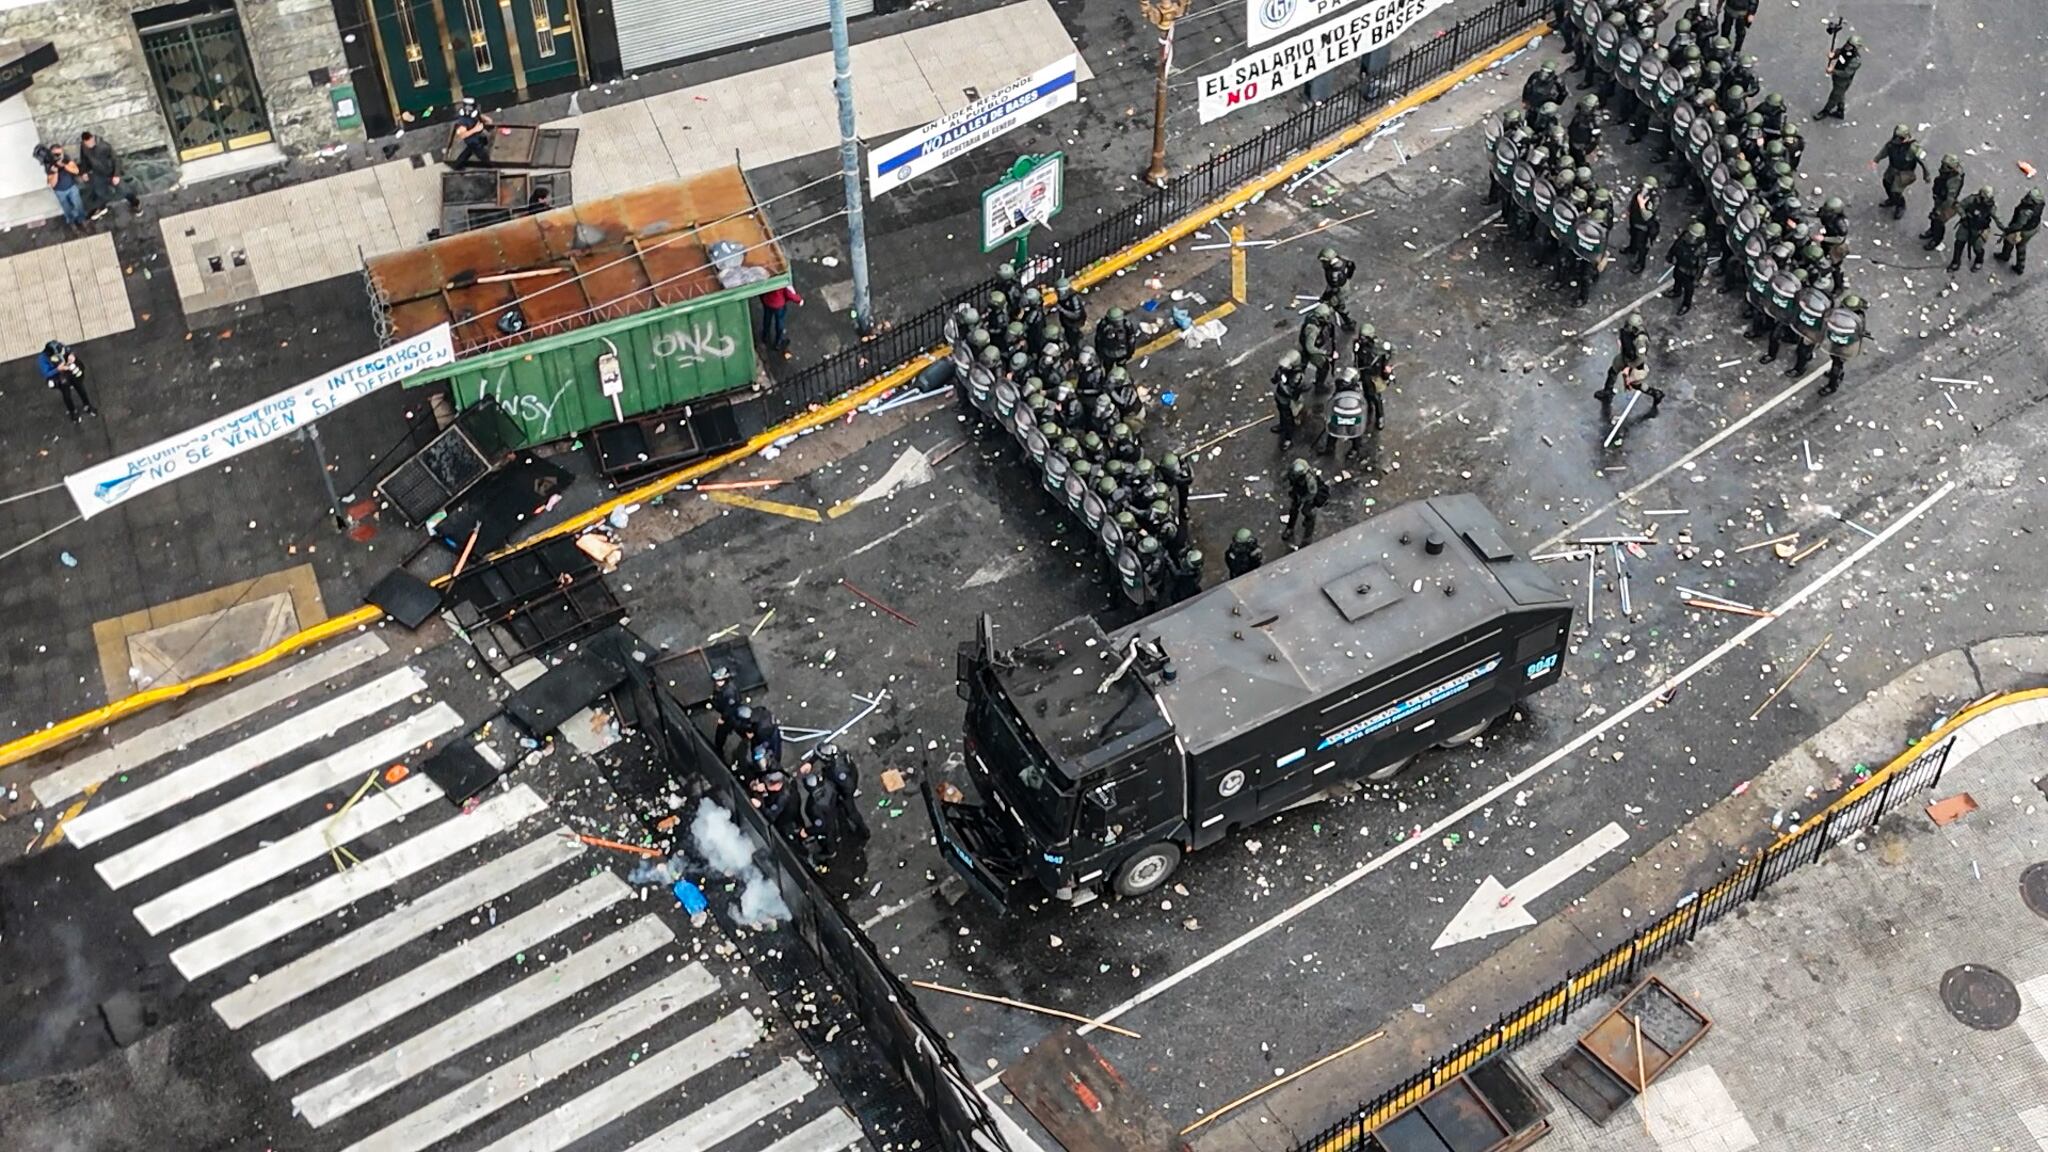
{"points": [[667, 357]]}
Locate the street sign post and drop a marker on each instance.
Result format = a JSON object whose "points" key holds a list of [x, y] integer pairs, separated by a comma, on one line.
{"points": [[1031, 193]]}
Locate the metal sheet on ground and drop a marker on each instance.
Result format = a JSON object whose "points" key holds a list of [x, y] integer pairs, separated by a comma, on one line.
{"points": [[1085, 1103]]}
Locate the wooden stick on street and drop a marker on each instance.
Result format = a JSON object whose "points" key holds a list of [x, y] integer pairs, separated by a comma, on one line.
{"points": [[462, 561], [1787, 538], [1321, 227], [1642, 1077], [1794, 561], [1006, 1002], [1248, 1097], [1787, 682], [1208, 444], [1731, 609]]}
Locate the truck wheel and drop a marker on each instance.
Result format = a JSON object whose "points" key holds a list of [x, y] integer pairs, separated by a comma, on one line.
{"points": [[1468, 735], [1147, 870], [1390, 771]]}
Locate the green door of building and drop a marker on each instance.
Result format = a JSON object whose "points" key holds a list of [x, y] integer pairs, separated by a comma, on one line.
{"points": [[208, 88], [436, 52]]}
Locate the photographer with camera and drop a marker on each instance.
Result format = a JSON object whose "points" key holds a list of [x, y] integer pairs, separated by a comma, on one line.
{"points": [[66, 180], [59, 366]]}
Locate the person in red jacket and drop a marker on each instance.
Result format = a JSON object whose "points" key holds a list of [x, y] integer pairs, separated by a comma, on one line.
{"points": [[774, 317]]}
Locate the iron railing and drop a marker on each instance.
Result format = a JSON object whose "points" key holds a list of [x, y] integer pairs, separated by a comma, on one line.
{"points": [[1857, 810], [1152, 210]]}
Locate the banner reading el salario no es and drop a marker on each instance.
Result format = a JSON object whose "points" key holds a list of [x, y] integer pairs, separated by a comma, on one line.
{"points": [[1290, 63]]}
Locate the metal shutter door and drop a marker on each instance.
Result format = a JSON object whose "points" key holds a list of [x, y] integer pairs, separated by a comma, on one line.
{"points": [[655, 32]]}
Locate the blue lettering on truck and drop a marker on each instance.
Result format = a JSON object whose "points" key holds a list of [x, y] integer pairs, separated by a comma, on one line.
{"points": [[1541, 666], [1395, 713]]}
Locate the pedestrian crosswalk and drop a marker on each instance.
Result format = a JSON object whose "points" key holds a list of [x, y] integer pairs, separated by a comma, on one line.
{"points": [[410, 976]]}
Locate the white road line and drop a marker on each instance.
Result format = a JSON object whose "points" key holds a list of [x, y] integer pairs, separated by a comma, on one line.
{"points": [[1431, 834], [279, 857], [741, 1108], [835, 1131], [1705, 446], [444, 973], [209, 772], [512, 1079], [659, 1073], [348, 766], [1627, 308], [395, 929], [486, 1018], [210, 717], [499, 814]]}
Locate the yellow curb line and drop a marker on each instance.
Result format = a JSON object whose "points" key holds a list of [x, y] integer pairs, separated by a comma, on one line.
{"points": [[1173, 336], [1237, 268], [64, 731], [772, 507], [1621, 956]]}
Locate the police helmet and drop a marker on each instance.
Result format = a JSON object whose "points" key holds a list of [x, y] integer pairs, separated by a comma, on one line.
{"points": [[1347, 379], [1118, 377], [1901, 132], [1634, 323], [744, 714], [991, 358], [1547, 108], [1853, 302], [1987, 192], [1951, 162], [1298, 468], [1019, 361], [1327, 255], [1091, 444], [1774, 100], [1549, 69], [1192, 558], [1120, 431], [1856, 41], [1367, 332], [1006, 271], [721, 674], [1170, 462], [1116, 313], [997, 299], [1649, 183], [1142, 469], [1833, 205], [1065, 287], [1322, 311], [1242, 536], [1148, 544], [1696, 230], [1290, 359], [2033, 196], [1589, 102], [1086, 357]]}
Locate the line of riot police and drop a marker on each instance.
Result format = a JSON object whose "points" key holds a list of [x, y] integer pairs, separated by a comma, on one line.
{"points": [[1074, 411]]}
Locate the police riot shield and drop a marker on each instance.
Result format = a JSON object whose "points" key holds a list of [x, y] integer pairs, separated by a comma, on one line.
{"points": [[1036, 447], [1493, 130], [1649, 71], [1074, 492], [1022, 424], [1522, 183], [981, 389], [1347, 416], [1844, 330], [1627, 58], [1783, 289], [1091, 512], [1590, 16], [1810, 310], [1718, 177], [1541, 195], [1670, 86], [1006, 401], [1697, 138], [1761, 270], [1110, 536], [1731, 200], [1744, 224], [1130, 575], [1589, 239], [1563, 216], [1682, 116], [1055, 474], [1607, 46], [1505, 157], [1712, 157]]}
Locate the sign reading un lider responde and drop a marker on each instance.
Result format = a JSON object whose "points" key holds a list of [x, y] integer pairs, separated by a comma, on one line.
{"points": [[1292, 62], [952, 136], [129, 475]]}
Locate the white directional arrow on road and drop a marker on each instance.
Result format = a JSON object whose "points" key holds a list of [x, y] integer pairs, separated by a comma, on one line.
{"points": [[1496, 908]]}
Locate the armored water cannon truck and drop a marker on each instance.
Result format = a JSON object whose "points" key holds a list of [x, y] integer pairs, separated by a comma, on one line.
{"points": [[1102, 758]]}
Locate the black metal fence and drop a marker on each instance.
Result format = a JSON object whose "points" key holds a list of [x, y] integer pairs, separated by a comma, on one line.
{"points": [[1857, 810], [1155, 208], [957, 1115]]}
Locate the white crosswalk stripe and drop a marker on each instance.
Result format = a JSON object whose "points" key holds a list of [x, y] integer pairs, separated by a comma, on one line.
{"points": [[418, 977]]}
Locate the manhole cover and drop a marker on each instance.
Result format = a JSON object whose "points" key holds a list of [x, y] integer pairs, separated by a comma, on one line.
{"points": [[2034, 888], [1980, 997]]}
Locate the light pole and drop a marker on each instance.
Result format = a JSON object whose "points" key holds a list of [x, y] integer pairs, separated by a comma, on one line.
{"points": [[849, 168], [1162, 14]]}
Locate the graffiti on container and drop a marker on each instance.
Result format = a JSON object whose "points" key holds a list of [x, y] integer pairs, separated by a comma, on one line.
{"points": [[693, 346], [528, 409]]}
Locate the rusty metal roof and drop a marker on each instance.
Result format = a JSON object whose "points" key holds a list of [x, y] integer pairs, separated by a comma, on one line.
{"points": [[574, 267]]}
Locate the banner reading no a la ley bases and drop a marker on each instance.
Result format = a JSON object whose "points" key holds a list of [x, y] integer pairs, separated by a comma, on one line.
{"points": [[1292, 62]]}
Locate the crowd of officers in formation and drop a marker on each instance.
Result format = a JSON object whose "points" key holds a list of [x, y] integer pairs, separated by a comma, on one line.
{"points": [[817, 810], [1733, 147]]}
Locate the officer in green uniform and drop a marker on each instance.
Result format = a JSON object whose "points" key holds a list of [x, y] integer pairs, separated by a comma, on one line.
{"points": [[1306, 492], [2026, 220], [1904, 162], [1175, 473], [1642, 223], [1319, 342], [1374, 359], [1116, 338], [1244, 554], [1794, 144], [1631, 363], [1072, 312], [1688, 259], [1836, 362], [1187, 574], [1288, 390], [1948, 194], [1545, 86], [1337, 272], [1841, 70], [1979, 213]]}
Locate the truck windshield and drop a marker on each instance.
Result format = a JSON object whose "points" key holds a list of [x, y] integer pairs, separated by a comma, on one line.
{"points": [[1023, 773]]}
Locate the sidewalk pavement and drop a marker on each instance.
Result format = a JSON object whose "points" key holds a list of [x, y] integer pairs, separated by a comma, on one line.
{"points": [[1853, 906], [71, 292]]}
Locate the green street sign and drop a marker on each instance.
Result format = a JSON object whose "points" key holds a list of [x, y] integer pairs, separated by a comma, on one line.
{"points": [[1032, 193]]}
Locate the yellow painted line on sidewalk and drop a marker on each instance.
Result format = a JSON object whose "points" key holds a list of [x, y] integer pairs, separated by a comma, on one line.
{"points": [[56, 834], [772, 507], [64, 731], [1237, 269], [1173, 336]]}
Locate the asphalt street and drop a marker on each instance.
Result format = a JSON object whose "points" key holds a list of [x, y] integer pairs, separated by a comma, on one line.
{"points": [[1332, 911]]}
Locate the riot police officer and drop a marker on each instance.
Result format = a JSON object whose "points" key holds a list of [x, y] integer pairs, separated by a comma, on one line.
{"points": [[725, 700], [1631, 363], [1072, 313], [1842, 66], [1837, 362], [1318, 341], [1030, 312], [1643, 224], [1688, 260], [837, 766], [1374, 359], [1544, 87], [1187, 574], [1306, 492], [1904, 162], [1948, 195], [1978, 213], [1794, 143], [1337, 272], [1288, 390], [1176, 474], [817, 805], [1834, 239], [2026, 220], [1116, 338], [1583, 133], [1244, 553], [1346, 417]]}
